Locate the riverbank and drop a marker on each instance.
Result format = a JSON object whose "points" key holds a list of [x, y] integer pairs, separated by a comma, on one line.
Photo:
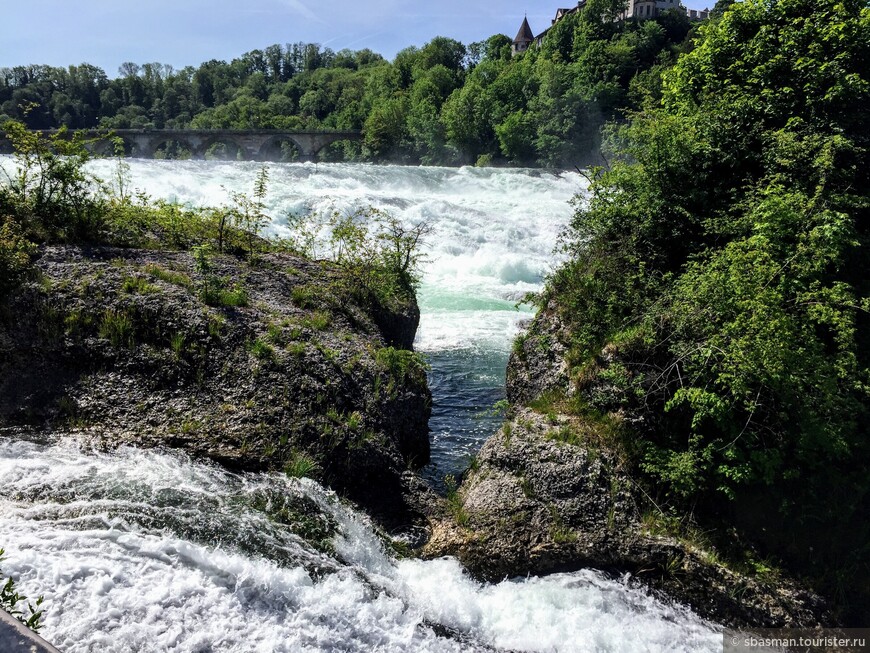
{"points": [[547, 495]]}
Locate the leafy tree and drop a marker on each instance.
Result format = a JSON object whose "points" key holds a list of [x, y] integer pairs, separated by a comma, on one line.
{"points": [[724, 250], [385, 127], [516, 137]]}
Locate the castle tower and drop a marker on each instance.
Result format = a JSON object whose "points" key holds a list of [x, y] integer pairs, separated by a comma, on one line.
{"points": [[523, 38]]}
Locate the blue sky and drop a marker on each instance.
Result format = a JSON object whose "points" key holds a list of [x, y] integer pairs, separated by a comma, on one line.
{"points": [[187, 32]]}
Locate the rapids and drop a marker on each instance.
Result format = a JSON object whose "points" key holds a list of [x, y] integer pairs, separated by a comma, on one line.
{"points": [[148, 551]]}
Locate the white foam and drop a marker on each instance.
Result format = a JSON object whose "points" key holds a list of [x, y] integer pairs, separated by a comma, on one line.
{"points": [[123, 584], [494, 229], [141, 551], [581, 611]]}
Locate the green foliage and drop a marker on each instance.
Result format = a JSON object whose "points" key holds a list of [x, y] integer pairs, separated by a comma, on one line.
{"points": [[305, 296], [118, 327], [15, 254], [213, 288], [248, 214], [379, 255], [501, 408], [317, 321], [169, 276], [48, 191], [454, 501], [176, 343], [18, 606], [301, 465], [559, 532], [403, 367], [722, 257], [261, 350], [234, 296], [136, 285]]}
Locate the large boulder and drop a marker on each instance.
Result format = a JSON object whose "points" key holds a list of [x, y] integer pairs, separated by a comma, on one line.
{"points": [[279, 363], [548, 494], [537, 364]]}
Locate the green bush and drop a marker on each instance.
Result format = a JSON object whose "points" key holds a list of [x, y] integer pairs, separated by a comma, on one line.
{"points": [[17, 605], [730, 236], [213, 288], [380, 256], [15, 254], [49, 193]]}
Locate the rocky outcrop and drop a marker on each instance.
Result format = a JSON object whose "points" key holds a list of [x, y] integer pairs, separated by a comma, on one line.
{"points": [[555, 492], [283, 365], [547, 495], [537, 363]]}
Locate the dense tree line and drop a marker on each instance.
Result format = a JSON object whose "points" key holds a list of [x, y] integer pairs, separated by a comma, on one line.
{"points": [[722, 262], [443, 103]]}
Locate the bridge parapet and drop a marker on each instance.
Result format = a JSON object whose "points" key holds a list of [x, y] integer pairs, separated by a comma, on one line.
{"points": [[254, 143]]}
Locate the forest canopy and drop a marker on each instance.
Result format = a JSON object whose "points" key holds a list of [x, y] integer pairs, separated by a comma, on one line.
{"points": [[443, 103]]}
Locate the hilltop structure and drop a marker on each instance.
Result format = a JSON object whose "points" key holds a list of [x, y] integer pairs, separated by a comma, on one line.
{"points": [[643, 9], [524, 37], [638, 9]]}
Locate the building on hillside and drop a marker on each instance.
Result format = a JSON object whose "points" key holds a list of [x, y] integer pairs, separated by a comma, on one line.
{"points": [[644, 9], [560, 14], [638, 9], [524, 38]]}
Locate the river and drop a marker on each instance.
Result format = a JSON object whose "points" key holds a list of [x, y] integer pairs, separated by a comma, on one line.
{"points": [[148, 551]]}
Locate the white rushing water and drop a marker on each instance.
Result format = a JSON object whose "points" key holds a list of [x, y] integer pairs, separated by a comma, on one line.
{"points": [[494, 229], [142, 551]]}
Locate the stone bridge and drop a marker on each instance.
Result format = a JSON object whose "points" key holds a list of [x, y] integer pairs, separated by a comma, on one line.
{"points": [[254, 144]]}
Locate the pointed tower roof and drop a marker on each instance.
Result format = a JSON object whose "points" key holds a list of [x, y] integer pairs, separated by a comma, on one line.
{"points": [[525, 34]]}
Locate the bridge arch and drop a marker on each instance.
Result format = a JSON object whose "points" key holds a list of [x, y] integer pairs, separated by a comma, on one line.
{"points": [[170, 147], [281, 147], [104, 148], [311, 144], [222, 147], [341, 149]]}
